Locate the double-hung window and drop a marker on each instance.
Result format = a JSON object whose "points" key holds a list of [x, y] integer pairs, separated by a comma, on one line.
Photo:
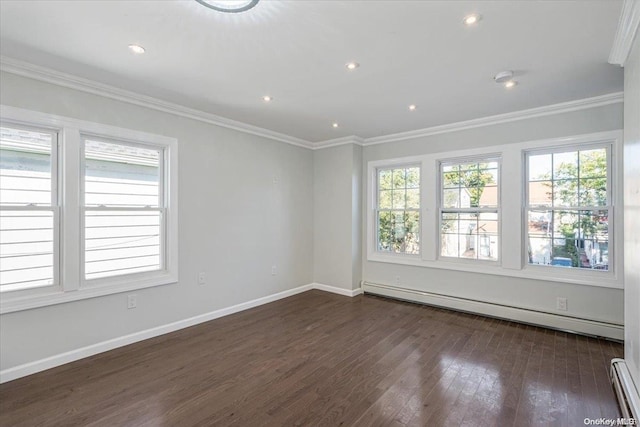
{"points": [[123, 208], [398, 210], [469, 208], [29, 211], [85, 209], [542, 210], [568, 207]]}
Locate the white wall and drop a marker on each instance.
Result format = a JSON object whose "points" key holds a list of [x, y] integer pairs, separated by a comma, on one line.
{"points": [[632, 210], [309, 224], [234, 225], [337, 173], [589, 302], [356, 216]]}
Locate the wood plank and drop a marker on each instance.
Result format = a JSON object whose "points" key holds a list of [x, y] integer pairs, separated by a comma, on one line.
{"points": [[327, 360]]}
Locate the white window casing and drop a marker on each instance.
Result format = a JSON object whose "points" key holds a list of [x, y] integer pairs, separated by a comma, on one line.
{"points": [[69, 212], [488, 208], [512, 211], [556, 208], [398, 240]]}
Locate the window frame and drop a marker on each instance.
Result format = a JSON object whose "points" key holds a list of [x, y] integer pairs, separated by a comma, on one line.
{"points": [[54, 205], [512, 219], [69, 176], [378, 210], [161, 209], [609, 207], [489, 157]]}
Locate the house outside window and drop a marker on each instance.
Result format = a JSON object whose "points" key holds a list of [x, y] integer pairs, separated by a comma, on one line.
{"points": [[469, 209], [568, 208]]}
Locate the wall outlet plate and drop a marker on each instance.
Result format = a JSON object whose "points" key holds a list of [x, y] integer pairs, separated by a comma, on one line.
{"points": [[561, 304], [132, 301]]}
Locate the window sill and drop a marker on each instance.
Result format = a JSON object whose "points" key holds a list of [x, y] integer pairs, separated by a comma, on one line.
{"points": [[551, 274], [12, 303]]}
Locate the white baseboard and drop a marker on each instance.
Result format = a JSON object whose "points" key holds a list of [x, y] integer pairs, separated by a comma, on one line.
{"points": [[550, 320], [80, 353], [335, 290]]}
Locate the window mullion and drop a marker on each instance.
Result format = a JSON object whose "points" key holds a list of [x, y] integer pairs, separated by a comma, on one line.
{"points": [[71, 218]]}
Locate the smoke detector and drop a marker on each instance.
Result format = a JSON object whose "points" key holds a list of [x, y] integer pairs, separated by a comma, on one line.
{"points": [[503, 76]]}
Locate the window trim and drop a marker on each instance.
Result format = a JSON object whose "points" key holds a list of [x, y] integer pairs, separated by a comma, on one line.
{"points": [[440, 197], [54, 204], [377, 209], [161, 209], [609, 146], [69, 184], [512, 197]]}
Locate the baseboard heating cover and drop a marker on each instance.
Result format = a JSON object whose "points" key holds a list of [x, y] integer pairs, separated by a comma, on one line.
{"points": [[625, 389], [549, 320]]}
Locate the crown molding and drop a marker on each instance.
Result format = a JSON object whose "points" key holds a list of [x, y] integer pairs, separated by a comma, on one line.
{"points": [[352, 139], [36, 72], [564, 107], [626, 32]]}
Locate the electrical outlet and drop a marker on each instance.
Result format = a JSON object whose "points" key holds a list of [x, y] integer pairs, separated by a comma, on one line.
{"points": [[561, 304], [132, 301], [202, 278], [274, 270]]}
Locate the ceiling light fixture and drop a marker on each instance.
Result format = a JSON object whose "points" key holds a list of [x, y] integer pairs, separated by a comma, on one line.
{"points": [[334, 125], [412, 107], [137, 49], [229, 6], [267, 98], [472, 19], [352, 65], [511, 83]]}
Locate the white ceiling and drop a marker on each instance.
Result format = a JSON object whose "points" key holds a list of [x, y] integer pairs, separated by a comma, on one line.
{"points": [[411, 52]]}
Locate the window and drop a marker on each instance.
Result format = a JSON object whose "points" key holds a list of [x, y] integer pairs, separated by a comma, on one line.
{"points": [[469, 203], [398, 210], [85, 210], [568, 208], [28, 208], [124, 209], [552, 219]]}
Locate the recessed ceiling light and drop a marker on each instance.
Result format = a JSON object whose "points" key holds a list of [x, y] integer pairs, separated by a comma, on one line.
{"points": [[335, 125], [412, 107], [267, 98], [511, 83], [472, 19], [229, 6], [352, 65], [136, 49]]}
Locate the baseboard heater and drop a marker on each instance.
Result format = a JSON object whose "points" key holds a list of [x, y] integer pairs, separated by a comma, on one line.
{"points": [[625, 389], [501, 311]]}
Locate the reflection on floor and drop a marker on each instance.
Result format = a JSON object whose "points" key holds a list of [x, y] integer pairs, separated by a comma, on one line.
{"points": [[323, 359]]}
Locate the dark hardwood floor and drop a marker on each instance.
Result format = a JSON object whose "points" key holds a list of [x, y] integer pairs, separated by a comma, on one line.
{"points": [[318, 359]]}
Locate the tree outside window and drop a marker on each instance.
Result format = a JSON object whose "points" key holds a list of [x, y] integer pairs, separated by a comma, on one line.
{"points": [[398, 210], [568, 209]]}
